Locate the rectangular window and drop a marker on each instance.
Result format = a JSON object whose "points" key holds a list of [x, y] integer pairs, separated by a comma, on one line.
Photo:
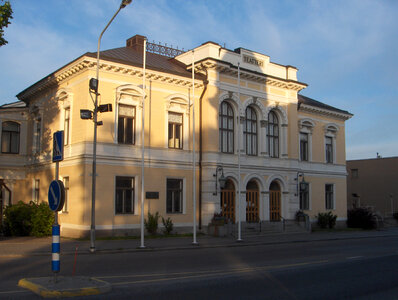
{"points": [[174, 196], [37, 191], [124, 198], [354, 173], [304, 146], [10, 137], [175, 130], [38, 135], [66, 126], [329, 197], [66, 185], [304, 196], [329, 149], [126, 125]]}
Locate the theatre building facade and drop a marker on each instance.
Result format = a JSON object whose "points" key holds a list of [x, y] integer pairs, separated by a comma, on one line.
{"points": [[276, 151]]}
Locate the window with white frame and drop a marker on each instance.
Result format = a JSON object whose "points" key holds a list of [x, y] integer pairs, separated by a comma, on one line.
{"points": [[36, 192], [10, 137], [273, 134], [124, 196], [226, 128], [126, 124], [38, 135], [66, 125], [305, 139], [304, 196], [175, 130], [66, 186], [304, 146], [329, 196], [174, 202], [250, 131], [329, 149]]}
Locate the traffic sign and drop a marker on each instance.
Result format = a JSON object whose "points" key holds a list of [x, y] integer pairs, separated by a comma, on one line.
{"points": [[56, 195], [58, 146]]}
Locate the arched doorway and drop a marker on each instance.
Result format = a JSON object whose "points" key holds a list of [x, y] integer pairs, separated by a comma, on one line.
{"points": [[252, 209], [275, 201], [227, 201]]}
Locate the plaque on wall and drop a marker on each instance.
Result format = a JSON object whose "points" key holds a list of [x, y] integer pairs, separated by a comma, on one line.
{"points": [[152, 195]]}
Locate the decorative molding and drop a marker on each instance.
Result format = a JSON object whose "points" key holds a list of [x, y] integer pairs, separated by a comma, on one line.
{"points": [[88, 63], [226, 68], [325, 112]]}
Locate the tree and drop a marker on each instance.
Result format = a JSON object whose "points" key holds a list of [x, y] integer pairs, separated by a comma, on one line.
{"points": [[5, 16]]}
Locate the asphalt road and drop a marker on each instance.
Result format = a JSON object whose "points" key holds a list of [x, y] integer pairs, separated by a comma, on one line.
{"points": [[335, 269]]}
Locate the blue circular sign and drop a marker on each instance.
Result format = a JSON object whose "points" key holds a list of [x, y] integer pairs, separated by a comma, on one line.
{"points": [[56, 195]]}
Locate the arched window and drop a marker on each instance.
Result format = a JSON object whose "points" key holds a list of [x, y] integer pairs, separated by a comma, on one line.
{"points": [[226, 128], [273, 134], [250, 131], [10, 137]]}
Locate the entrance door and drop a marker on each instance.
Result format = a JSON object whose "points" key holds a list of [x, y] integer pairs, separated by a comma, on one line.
{"points": [[252, 214], [275, 202], [228, 201]]}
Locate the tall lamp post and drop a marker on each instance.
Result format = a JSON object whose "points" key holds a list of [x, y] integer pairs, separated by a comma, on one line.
{"points": [[94, 87]]}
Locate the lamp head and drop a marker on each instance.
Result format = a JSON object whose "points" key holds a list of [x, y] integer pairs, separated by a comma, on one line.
{"points": [[222, 180], [125, 3]]}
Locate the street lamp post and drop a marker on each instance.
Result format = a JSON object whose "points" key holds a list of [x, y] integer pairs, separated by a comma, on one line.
{"points": [[94, 83]]}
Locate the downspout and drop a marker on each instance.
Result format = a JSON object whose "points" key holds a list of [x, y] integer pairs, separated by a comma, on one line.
{"points": [[205, 82]]}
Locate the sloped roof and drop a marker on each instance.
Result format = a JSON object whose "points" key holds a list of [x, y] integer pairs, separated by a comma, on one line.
{"points": [[157, 62], [308, 101]]}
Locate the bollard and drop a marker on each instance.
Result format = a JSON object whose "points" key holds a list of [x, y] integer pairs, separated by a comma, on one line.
{"points": [[56, 249]]}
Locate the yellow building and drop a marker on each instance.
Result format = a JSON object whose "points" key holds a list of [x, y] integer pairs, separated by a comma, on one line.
{"points": [[250, 120]]}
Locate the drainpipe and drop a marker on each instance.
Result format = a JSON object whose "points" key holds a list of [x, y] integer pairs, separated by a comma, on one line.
{"points": [[205, 82]]}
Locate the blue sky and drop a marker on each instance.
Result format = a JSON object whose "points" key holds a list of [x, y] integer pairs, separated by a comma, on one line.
{"points": [[345, 50]]}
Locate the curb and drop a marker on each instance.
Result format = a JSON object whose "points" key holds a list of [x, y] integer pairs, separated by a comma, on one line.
{"points": [[43, 286], [244, 243]]}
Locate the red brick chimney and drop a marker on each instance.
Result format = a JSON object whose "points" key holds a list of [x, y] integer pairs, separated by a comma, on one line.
{"points": [[136, 42]]}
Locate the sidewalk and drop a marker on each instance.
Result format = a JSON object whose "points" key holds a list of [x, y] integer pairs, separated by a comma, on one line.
{"points": [[25, 246]]}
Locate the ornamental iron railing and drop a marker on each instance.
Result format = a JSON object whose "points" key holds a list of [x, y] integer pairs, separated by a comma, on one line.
{"points": [[163, 49]]}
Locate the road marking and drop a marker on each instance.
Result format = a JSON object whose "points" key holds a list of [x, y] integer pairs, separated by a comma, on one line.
{"points": [[201, 274], [12, 292], [354, 257]]}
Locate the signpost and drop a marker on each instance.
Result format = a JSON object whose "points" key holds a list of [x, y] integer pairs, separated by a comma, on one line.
{"points": [[56, 199]]}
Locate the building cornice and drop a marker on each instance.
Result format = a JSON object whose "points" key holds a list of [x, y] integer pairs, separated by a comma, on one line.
{"points": [[231, 70], [325, 112], [88, 63]]}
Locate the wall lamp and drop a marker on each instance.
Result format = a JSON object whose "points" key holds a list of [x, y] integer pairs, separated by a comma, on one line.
{"points": [[219, 180], [302, 186]]}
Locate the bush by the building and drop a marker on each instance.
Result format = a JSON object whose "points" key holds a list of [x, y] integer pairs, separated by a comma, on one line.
{"points": [[24, 219], [361, 218], [326, 220]]}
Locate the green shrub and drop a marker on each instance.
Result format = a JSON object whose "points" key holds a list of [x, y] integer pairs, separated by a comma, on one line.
{"points": [[151, 225], [42, 220], [23, 219], [325, 220], [395, 215], [361, 218], [168, 225]]}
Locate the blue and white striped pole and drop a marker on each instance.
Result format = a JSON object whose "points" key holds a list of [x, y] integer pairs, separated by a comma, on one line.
{"points": [[56, 247]]}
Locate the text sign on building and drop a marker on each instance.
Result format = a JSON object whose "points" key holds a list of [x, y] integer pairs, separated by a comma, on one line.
{"points": [[58, 146], [152, 195], [56, 195], [253, 61]]}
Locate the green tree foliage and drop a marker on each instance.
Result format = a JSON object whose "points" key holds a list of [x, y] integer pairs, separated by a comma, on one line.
{"points": [[5, 17]]}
